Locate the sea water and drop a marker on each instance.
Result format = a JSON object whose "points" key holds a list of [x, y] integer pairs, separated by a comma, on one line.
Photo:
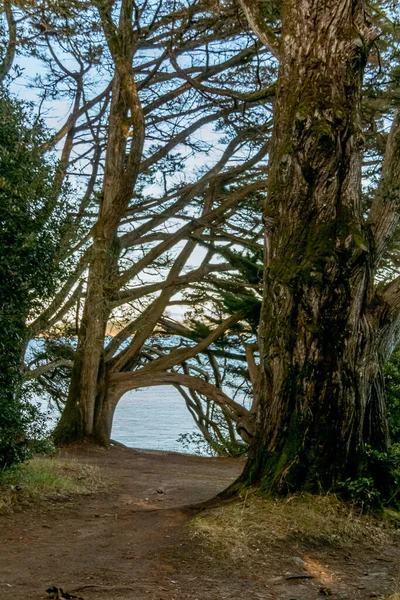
{"points": [[148, 418], [153, 418]]}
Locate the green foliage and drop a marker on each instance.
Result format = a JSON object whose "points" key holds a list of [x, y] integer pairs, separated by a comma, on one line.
{"points": [[385, 469], [30, 225], [248, 303], [390, 458], [361, 491], [382, 488], [392, 383], [195, 444], [248, 264], [201, 330], [43, 445]]}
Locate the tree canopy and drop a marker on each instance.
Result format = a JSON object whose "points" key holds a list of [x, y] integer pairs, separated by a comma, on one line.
{"points": [[217, 158]]}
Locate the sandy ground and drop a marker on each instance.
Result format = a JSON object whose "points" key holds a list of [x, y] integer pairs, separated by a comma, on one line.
{"points": [[135, 543]]}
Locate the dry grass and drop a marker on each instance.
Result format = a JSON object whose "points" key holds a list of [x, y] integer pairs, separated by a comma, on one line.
{"points": [[255, 523], [49, 479]]}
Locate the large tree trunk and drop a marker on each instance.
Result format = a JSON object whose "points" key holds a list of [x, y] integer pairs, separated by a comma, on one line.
{"points": [[77, 421], [321, 398], [121, 170]]}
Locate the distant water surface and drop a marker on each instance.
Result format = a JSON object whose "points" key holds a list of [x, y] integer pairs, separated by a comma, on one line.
{"points": [[149, 418], [153, 418]]}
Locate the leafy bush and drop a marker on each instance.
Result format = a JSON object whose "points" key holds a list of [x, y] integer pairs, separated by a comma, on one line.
{"points": [[30, 227], [392, 381], [361, 491], [380, 489]]}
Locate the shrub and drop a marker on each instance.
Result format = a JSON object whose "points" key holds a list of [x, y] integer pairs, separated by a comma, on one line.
{"points": [[392, 381], [30, 226]]}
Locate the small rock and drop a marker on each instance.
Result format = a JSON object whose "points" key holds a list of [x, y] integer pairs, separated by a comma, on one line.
{"points": [[298, 561]]}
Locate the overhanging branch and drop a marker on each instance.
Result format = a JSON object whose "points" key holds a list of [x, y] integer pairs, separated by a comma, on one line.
{"points": [[254, 16], [384, 215]]}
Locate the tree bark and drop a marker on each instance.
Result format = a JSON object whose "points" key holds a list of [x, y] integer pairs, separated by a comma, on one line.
{"points": [[115, 385], [9, 55], [121, 170], [321, 394]]}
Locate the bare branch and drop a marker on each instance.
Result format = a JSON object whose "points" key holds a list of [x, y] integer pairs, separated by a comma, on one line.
{"points": [[72, 119], [253, 12], [178, 356], [8, 60], [124, 382], [61, 362], [384, 215], [191, 277]]}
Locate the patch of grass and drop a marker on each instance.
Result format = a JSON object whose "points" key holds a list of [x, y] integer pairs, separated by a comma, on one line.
{"points": [[253, 523], [49, 479]]}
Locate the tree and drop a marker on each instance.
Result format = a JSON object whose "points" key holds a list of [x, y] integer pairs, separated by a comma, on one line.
{"points": [[133, 233], [392, 384], [30, 222], [202, 70], [192, 68], [326, 326]]}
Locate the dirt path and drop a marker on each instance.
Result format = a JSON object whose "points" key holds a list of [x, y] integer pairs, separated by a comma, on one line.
{"points": [[122, 538], [133, 543]]}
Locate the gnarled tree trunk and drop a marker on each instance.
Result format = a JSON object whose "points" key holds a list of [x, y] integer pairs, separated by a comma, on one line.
{"points": [[322, 338], [121, 171]]}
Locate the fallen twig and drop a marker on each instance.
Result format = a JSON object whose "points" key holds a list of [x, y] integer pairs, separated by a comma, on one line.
{"points": [[300, 577]]}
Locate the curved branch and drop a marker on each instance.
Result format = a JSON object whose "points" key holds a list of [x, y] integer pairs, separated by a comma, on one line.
{"points": [[232, 200], [41, 322], [193, 276], [191, 190], [12, 42], [124, 382], [384, 215], [238, 59], [267, 93], [73, 117], [254, 16], [178, 139], [178, 356], [61, 362]]}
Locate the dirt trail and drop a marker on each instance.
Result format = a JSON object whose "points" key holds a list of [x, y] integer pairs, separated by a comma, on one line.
{"points": [[117, 539], [133, 543]]}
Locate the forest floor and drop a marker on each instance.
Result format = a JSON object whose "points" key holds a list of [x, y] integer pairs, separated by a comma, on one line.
{"points": [[140, 541]]}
